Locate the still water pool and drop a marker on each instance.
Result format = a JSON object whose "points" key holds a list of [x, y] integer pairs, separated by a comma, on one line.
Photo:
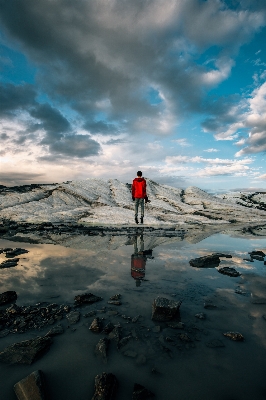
{"points": [[156, 356]]}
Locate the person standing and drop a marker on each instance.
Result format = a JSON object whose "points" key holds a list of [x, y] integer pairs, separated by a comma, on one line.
{"points": [[139, 195]]}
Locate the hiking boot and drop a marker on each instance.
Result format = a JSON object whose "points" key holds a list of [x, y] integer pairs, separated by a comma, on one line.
{"points": [[136, 220], [141, 220]]}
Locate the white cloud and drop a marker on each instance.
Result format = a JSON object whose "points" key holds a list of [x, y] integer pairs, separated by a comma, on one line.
{"points": [[182, 142], [211, 150]]}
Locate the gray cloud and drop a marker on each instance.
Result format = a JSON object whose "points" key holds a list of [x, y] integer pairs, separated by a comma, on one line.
{"points": [[75, 146], [15, 97], [17, 178]]}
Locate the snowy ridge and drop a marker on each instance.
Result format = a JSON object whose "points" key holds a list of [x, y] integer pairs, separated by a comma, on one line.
{"points": [[97, 202]]}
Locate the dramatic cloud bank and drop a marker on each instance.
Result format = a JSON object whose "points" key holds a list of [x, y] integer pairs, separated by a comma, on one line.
{"points": [[103, 88]]}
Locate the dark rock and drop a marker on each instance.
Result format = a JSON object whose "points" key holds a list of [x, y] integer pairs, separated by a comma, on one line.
{"points": [[116, 297], [240, 291], [211, 261], [184, 337], [56, 330], [9, 263], [73, 317], [236, 336], [115, 334], [96, 325], [200, 316], [141, 393], [164, 309], [123, 341], [228, 271], [114, 302], [257, 257], [86, 298], [8, 297], [26, 352], [32, 387], [101, 349], [215, 343], [209, 305], [108, 328], [264, 316], [258, 300], [176, 325], [105, 387], [248, 259]]}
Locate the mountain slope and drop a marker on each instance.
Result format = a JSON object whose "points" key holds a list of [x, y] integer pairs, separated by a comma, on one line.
{"points": [[95, 201]]}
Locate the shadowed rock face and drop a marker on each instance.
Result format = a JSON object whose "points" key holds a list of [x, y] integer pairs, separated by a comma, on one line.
{"points": [[32, 387], [25, 352], [95, 201]]}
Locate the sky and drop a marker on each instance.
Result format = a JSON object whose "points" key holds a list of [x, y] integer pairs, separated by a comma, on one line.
{"points": [[102, 89]]}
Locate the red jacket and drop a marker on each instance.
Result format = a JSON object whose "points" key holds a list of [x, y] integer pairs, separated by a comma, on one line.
{"points": [[139, 188]]}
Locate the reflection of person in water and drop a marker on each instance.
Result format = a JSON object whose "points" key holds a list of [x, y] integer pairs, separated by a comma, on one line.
{"points": [[138, 260]]}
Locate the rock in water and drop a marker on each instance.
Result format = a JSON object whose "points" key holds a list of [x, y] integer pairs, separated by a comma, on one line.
{"points": [[26, 352], [105, 387], [164, 309], [8, 297], [32, 387], [141, 393], [73, 317], [86, 298], [101, 349], [229, 271], [9, 263], [238, 337], [211, 261], [96, 325]]}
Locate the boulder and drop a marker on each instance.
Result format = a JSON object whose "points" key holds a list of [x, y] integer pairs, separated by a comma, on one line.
{"points": [[101, 349], [86, 298], [96, 325], [236, 336], [164, 309], [229, 271], [105, 387], [32, 387], [9, 263], [8, 297], [211, 261], [73, 317], [141, 393], [26, 352]]}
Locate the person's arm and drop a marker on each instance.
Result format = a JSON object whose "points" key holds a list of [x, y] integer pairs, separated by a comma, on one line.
{"points": [[133, 191]]}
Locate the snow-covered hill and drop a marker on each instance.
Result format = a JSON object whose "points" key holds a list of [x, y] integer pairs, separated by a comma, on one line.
{"points": [[99, 202]]}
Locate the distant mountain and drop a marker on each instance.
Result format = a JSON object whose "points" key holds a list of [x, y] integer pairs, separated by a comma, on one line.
{"points": [[99, 202]]}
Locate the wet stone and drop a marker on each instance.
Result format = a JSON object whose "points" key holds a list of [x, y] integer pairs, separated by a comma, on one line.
{"points": [[240, 291], [26, 352], [176, 325], [209, 305], [86, 298], [184, 337], [115, 334], [236, 336], [8, 297], [56, 330], [222, 255], [164, 309], [105, 387], [123, 341], [15, 252], [73, 317], [96, 325], [215, 343], [116, 297], [101, 349], [257, 253], [141, 393], [114, 302], [108, 328], [229, 271], [200, 316], [89, 314], [32, 387], [211, 261]]}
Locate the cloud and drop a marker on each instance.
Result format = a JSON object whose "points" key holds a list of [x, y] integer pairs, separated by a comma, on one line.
{"points": [[182, 142], [211, 150], [15, 97], [18, 178]]}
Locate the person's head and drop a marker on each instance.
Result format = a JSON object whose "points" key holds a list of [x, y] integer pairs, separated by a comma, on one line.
{"points": [[139, 174]]}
